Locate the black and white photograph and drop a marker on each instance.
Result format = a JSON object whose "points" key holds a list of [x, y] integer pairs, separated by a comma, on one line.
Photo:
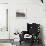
{"points": [[22, 22]]}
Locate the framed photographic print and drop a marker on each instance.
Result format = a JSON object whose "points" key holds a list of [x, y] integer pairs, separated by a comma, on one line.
{"points": [[21, 13]]}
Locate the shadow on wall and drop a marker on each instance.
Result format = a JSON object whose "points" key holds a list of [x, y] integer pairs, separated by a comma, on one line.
{"points": [[41, 34]]}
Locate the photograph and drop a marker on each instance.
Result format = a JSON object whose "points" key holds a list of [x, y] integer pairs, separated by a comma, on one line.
{"points": [[22, 22]]}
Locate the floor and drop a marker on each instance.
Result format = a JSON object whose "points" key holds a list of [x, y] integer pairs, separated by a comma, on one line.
{"points": [[5, 44], [23, 44], [26, 44]]}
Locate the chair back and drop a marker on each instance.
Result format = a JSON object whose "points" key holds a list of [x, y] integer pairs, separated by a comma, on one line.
{"points": [[33, 29]]}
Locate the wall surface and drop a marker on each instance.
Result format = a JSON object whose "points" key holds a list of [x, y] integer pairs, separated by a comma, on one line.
{"points": [[35, 13], [3, 21], [3, 34], [3, 1]]}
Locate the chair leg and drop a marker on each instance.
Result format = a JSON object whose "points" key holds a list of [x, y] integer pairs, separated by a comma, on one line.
{"points": [[20, 42], [32, 42]]}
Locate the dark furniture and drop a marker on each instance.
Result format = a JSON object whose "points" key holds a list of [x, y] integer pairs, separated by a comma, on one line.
{"points": [[42, 1], [33, 30]]}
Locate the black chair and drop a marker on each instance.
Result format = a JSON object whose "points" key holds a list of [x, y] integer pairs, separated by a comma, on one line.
{"points": [[32, 29]]}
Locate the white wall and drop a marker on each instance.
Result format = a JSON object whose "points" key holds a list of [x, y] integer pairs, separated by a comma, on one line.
{"points": [[35, 13], [4, 34], [3, 1], [3, 21]]}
